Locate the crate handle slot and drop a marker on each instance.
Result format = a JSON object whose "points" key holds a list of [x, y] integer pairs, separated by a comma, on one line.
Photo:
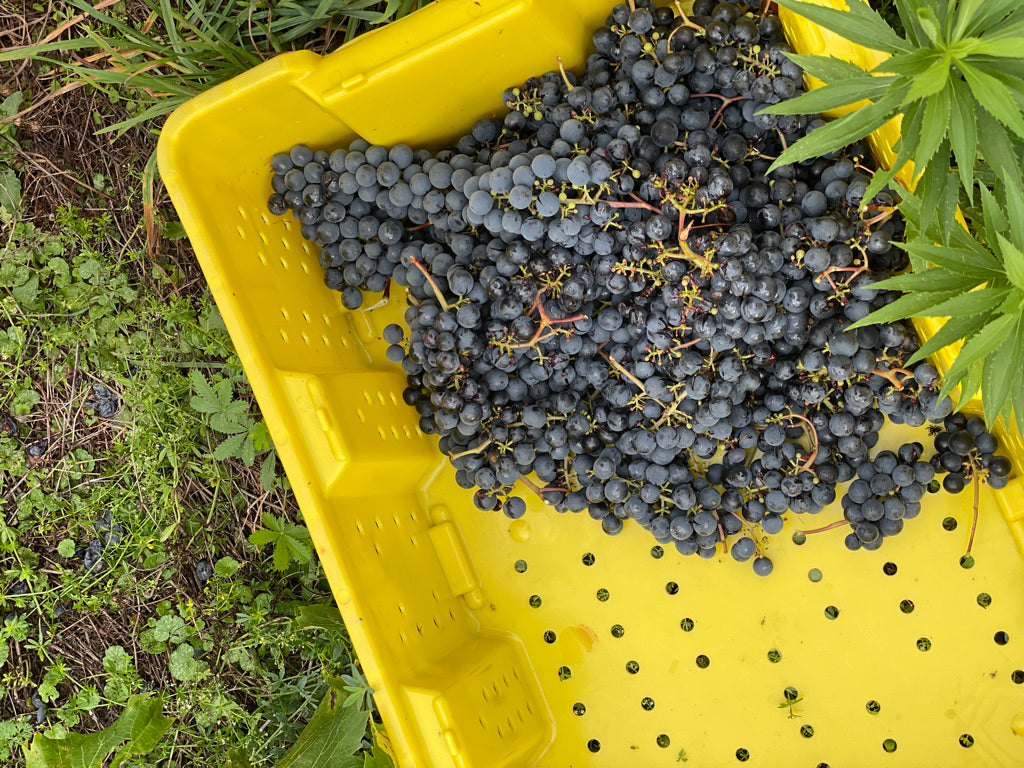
{"points": [[456, 563]]}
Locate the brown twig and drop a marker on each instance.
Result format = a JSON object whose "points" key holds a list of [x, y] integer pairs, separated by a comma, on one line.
{"points": [[829, 527], [437, 291]]}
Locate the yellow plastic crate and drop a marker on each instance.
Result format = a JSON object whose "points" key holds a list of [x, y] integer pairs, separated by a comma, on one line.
{"points": [[541, 641]]}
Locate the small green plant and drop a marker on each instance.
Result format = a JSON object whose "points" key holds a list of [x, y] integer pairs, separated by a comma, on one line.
{"points": [[136, 731], [291, 541], [954, 77]]}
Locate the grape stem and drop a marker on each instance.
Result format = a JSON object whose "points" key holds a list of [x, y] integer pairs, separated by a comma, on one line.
{"points": [[470, 451], [565, 77], [721, 532], [437, 291], [977, 493], [829, 527], [621, 369], [809, 461], [891, 375], [540, 491]]}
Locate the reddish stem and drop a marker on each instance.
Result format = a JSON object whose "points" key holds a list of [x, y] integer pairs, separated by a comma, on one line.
{"points": [[829, 527]]}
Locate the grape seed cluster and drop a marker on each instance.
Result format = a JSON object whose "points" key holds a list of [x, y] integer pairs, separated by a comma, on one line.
{"points": [[613, 304]]}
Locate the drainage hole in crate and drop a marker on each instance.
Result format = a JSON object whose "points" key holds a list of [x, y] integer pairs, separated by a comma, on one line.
{"points": [[520, 566], [966, 740], [949, 523], [799, 538], [672, 588], [550, 637], [1017, 676], [873, 707], [618, 630], [594, 745], [632, 667], [657, 552], [703, 661], [774, 655], [588, 559], [889, 745], [535, 601], [984, 599], [686, 625], [907, 606], [807, 731], [923, 644], [1001, 638], [889, 569], [814, 575], [579, 709], [831, 612], [967, 561], [742, 755], [647, 703], [564, 673], [663, 740], [603, 595]]}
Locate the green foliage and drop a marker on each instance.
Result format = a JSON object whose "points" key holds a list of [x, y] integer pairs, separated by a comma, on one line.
{"points": [[291, 541], [136, 731], [334, 732], [954, 75], [194, 45], [978, 282]]}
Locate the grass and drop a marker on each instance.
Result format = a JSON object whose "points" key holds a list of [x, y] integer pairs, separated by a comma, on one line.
{"points": [[154, 568]]}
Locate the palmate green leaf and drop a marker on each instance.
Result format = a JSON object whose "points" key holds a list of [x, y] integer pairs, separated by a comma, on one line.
{"points": [[205, 399], [1014, 199], [973, 303], [983, 343], [911, 305], [906, 146], [910, 64], [832, 96], [1013, 261], [932, 280], [859, 24], [838, 133], [953, 330], [995, 218], [828, 69], [993, 96], [964, 262], [999, 371], [934, 124]]}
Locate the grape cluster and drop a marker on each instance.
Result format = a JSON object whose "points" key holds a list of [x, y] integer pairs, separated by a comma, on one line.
{"points": [[965, 451], [613, 303]]}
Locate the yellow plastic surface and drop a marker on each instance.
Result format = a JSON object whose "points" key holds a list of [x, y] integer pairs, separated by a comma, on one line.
{"points": [[481, 635]]}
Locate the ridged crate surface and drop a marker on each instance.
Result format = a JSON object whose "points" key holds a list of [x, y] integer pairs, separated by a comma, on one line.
{"points": [[542, 641]]}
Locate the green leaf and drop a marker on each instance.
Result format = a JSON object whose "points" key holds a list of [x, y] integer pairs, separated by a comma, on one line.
{"points": [[838, 133], [935, 279], [1013, 260], [10, 191], [1009, 47], [184, 666], [831, 96], [321, 616], [205, 400], [136, 731], [932, 80], [268, 472], [332, 734], [963, 135], [973, 303], [282, 553], [859, 24], [828, 69], [226, 567], [993, 96], [911, 305], [1013, 196], [990, 16], [1000, 369], [995, 218], [230, 447], [263, 536], [997, 149], [983, 343], [66, 548], [953, 330], [956, 260], [933, 130]]}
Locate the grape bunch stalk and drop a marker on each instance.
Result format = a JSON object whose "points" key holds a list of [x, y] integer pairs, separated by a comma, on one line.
{"points": [[613, 305]]}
